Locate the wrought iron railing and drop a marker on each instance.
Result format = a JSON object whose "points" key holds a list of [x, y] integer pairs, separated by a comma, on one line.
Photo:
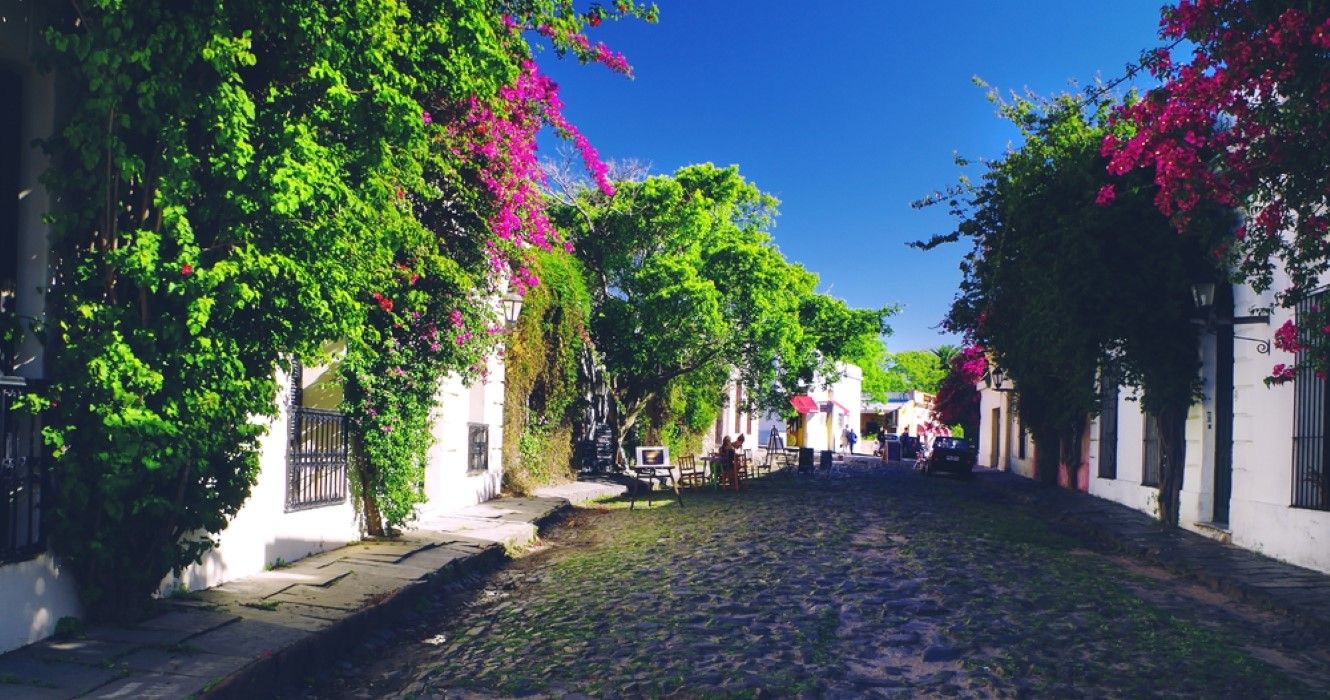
{"points": [[316, 461], [23, 474], [1311, 461]]}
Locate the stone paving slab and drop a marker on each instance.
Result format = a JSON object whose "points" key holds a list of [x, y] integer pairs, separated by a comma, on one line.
{"points": [[1302, 593], [151, 686], [27, 676], [244, 638]]}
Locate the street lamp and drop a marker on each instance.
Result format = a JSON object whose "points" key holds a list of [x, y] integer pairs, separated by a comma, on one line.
{"points": [[1203, 293], [993, 379], [512, 308]]}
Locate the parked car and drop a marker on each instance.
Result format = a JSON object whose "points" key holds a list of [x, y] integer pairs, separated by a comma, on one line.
{"points": [[950, 454]]}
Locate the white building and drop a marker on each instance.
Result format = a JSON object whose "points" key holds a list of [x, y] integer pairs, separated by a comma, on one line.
{"points": [[904, 413], [733, 421], [823, 413], [301, 503], [1257, 470], [1003, 441]]}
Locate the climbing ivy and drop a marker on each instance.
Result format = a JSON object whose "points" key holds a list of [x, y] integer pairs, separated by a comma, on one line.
{"points": [[542, 390]]}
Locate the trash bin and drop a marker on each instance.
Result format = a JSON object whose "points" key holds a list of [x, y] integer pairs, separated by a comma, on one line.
{"points": [[825, 461], [805, 459], [893, 452]]}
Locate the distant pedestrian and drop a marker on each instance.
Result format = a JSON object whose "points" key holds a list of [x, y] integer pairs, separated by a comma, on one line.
{"points": [[854, 438]]}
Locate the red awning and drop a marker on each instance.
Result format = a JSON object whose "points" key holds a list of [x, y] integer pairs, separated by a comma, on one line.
{"points": [[841, 406], [803, 403]]}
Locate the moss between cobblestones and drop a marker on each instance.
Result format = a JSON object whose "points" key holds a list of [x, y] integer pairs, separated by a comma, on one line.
{"points": [[1143, 648], [799, 586]]}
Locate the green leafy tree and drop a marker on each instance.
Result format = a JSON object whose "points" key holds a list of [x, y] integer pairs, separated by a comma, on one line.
{"points": [[1064, 281], [687, 287], [915, 370], [238, 183]]}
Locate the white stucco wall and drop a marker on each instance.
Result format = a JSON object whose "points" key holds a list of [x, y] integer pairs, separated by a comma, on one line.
{"points": [[263, 531], [1008, 434], [447, 484], [848, 391], [1126, 488], [1261, 517], [36, 593]]}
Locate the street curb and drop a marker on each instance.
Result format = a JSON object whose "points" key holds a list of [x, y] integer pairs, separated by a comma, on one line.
{"points": [[294, 663]]}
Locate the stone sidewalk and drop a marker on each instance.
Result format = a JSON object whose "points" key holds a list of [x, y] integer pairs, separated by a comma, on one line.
{"points": [[246, 637], [1301, 593]]}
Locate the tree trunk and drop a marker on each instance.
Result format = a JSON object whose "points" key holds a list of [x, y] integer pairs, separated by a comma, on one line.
{"points": [[364, 476], [1070, 453], [1173, 444], [1046, 452]]}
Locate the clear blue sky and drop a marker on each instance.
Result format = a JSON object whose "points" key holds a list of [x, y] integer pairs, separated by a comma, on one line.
{"points": [[847, 112]]}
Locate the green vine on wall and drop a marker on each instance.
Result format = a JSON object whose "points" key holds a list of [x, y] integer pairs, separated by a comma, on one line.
{"points": [[542, 392]]}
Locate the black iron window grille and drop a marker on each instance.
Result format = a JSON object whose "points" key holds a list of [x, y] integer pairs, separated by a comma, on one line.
{"points": [[1108, 427], [478, 448], [1152, 462], [1311, 478], [317, 455], [317, 458], [23, 475]]}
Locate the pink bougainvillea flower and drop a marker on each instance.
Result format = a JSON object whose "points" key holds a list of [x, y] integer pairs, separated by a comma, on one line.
{"points": [[1106, 196], [186, 270]]}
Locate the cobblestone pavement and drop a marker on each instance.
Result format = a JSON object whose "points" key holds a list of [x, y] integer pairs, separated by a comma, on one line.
{"points": [[874, 582]]}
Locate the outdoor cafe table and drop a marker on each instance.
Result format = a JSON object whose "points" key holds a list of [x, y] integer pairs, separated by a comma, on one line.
{"points": [[712, 460], [663, 473]]}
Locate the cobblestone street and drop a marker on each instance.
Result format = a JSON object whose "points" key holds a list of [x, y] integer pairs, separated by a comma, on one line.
{"points": [[874, 582]]}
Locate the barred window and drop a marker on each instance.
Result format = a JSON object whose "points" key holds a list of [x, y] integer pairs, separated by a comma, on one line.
{"points": [[1108, 426], [317, 452], [1311, 407], [478, 454], [1153, 460]]}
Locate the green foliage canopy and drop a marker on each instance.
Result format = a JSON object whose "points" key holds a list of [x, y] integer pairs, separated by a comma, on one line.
{"points": [[237, 183], [687, 287], [1061, 284]]}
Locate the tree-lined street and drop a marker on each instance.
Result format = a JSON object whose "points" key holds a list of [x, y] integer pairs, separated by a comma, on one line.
{"points": [[873, 582]]}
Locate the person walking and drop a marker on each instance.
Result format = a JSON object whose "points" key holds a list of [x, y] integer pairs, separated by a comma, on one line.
{"points": [[854, 438]]}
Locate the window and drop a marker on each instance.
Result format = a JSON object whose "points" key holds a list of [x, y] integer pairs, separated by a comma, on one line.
{"points": [[1023, 438], [317, 453], [738, 407], [1153, 458], [22, 475], [1108, 426], [478, 450], [1311, 408]]}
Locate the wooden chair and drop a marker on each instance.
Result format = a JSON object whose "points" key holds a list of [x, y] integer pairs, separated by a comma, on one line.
{"points": [[743, 464], [689, 473]]}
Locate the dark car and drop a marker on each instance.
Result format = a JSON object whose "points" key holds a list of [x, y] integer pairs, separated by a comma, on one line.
{"points": [[952, 455]]}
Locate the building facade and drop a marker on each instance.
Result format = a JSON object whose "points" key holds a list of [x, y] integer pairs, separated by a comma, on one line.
{"points": [[823, 414], [1257, 465]]}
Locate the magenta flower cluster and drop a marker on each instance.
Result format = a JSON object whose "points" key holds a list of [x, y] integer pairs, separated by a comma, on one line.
{"points": [[501, 140]]}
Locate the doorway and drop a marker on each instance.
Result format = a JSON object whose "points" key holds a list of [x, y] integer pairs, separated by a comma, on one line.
{"points": [[995, 440], [1223, 485]]}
